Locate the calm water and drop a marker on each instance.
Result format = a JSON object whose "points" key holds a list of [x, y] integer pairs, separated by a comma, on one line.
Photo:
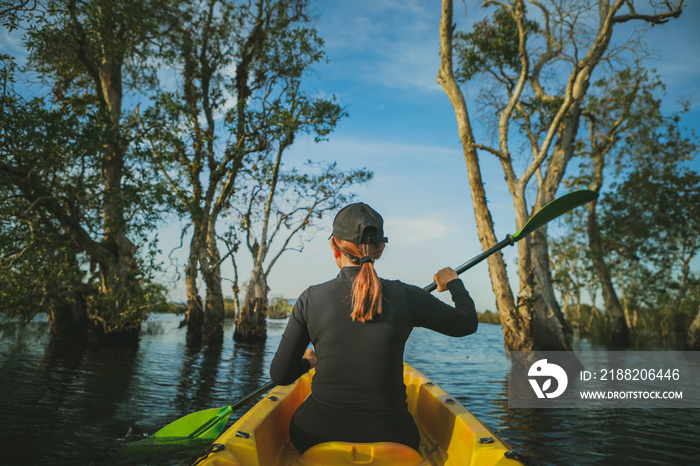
{"points": [[74, 406]]}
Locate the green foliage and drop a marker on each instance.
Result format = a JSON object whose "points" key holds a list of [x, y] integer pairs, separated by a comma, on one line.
{"points": [[85, 179], [279, 308], [624, 124], [492, 50], [648, 215], [220, 136], [488, 317], [587, 321], [16, 13], [229, 309], [233, 53], [650, 222], [40, 270], [40, 260], [654, 215], [572, 270], [71, 184], [172, 308], [493, 44], [73, 37]]}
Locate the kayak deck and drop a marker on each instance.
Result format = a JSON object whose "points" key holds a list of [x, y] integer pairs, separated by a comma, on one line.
{"points": [[450, 435]]}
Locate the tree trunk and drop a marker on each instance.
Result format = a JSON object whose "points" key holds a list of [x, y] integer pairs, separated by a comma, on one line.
{"points": [[251, 326], [550, 331], [516, 326], [68, 318], [678, 319], [236, 302], [537, 306], [120, 286], [194, 316], [693, 340], [536, 297], [213, 324], [619, 331], [205, 321]]}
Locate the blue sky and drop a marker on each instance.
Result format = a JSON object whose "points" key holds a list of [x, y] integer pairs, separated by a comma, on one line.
{"points": [[384, 57]]}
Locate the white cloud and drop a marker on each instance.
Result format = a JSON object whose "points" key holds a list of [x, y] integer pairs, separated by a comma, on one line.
{"points": [[390, 43], [408, 66], [409, 231], [396, 155], [11, 43]]}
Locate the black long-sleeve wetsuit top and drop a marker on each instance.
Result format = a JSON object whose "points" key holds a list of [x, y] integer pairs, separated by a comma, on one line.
{"points": [[360, 365]]}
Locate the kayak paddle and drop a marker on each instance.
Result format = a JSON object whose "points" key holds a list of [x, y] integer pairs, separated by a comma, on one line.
{"points": [[546, 214], [209, 423]]}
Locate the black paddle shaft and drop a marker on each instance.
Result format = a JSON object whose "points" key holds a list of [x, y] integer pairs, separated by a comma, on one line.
{"points": [[546, 214], [509, 241], [253, 395]]}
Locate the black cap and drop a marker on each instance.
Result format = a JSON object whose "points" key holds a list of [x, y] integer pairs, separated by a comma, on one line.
{"points": [[359, 223]]}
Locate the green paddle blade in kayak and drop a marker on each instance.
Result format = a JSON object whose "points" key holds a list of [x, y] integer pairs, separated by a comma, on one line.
{"points": [[554, 209], [208, 423], [205, 424]]}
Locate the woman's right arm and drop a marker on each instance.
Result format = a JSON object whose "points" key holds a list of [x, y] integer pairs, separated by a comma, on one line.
{"points": [[430, 312]]}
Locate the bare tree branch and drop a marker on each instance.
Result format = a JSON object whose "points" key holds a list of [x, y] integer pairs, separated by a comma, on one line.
{"points": [[654, 19]]}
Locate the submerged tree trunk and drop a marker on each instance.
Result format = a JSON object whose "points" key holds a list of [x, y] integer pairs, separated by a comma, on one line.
{"points": [[551, 331], [119, 272], [536, 322], [536, 296], [120, 289], [213, 324], [619, 330], [204, 320], [251, 326], [67, 315], [194, 317]]}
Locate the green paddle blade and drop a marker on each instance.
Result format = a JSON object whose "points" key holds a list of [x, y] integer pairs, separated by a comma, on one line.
{"points": [[554, 209], [208, 423]]}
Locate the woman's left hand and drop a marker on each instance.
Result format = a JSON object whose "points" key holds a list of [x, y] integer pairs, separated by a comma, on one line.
{"points": [[443, 277], [310, 354]]}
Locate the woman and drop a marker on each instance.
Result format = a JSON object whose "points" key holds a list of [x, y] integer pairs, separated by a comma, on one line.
{"points": [[359, 324]]}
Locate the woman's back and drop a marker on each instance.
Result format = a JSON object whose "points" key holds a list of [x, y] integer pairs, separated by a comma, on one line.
{"points": [[359, 325], [360, 363]]}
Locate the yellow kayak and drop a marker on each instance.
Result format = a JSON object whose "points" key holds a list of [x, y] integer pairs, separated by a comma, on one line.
{"points": [[450, 435]]}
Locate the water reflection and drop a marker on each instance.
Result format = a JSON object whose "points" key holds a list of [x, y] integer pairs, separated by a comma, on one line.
{"points": [[62, 401], [249, 369], [197, 377], [73, 405], [599, 436]]}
